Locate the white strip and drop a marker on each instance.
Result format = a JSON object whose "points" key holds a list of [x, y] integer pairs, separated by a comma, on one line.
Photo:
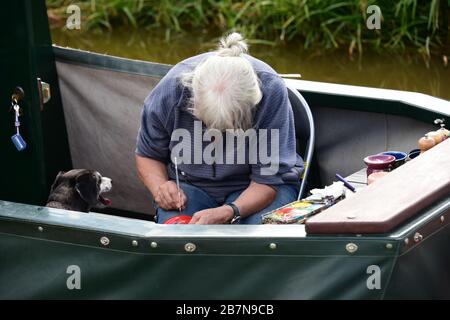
{"points": [[420, 100]]}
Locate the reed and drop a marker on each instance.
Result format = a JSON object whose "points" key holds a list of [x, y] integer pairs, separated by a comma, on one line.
{"points": [[321, 24]]}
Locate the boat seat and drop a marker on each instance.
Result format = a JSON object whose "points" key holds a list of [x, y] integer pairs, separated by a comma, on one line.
{"points": [[304, 133]]}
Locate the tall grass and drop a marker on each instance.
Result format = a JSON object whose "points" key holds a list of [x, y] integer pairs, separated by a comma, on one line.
{"points": [[325, 24]]}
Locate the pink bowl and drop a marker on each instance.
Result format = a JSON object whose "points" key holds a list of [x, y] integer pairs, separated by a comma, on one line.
{"points": [[378, 162]]}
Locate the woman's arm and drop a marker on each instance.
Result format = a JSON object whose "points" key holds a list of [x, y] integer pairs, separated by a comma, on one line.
{"points": [[153, 174], [255, 198]]}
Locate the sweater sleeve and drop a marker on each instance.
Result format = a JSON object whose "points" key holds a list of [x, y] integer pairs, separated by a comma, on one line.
{"points": [[154, 135], [274, 122]]}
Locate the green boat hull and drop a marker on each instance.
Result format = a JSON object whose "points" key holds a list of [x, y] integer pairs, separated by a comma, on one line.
{"points": [[55, 254], [39, 246]]}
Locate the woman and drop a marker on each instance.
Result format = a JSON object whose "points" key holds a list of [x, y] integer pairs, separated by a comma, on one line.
{"points": [[220, 114]]}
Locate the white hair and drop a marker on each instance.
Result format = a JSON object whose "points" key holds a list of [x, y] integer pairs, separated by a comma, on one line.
{"points": [[224, 87]]}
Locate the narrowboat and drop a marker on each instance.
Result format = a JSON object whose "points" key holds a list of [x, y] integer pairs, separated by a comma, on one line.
{"points": [[80, 109]]}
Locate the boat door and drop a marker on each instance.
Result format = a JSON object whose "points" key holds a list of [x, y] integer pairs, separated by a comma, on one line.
{"points": [[26, 56]]}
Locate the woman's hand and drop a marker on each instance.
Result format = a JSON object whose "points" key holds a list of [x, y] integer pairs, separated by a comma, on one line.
{"points": [[219, 215], [167, 197]]}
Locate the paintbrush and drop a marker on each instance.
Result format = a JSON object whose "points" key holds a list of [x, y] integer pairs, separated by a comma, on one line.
{"points": [[178, 184]]}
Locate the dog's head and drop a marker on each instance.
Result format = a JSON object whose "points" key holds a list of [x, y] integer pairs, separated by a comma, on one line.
{"points": [[89, 184]]}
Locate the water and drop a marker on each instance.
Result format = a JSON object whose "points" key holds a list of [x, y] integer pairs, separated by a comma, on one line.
{"points": [[387, 70]]}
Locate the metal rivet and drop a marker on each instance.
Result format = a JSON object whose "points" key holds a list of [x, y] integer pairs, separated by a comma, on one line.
{"points": [[153, 244], [104, 241], [40, 229], [134, 243], [389, 246], [351, 247], [190, 247], [442, 218], [406, 241], [273, 246], [417, 237]]}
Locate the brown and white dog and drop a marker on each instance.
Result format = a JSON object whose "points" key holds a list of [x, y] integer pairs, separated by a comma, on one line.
{"points": [[79, 190]]}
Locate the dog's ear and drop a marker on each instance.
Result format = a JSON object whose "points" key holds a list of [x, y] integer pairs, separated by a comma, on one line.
{"points": [[87, 187], [57, 181]]}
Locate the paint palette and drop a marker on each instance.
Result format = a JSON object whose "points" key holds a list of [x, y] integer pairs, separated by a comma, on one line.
{"points": [[293, 213]]}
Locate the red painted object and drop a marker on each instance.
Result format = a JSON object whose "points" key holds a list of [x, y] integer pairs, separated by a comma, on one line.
{"points": [[378, 162], [179, 220]]}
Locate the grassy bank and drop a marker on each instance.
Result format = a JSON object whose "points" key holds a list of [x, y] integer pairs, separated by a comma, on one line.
{"points": [[417, 25]]}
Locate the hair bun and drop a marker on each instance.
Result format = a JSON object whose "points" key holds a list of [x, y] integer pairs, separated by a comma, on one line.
{"points": [[233, 45]]}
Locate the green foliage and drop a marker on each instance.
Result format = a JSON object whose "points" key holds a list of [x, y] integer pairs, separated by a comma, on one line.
{"points": [[323, 24]]}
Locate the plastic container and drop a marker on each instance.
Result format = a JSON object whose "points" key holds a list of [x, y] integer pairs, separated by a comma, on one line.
{"points": [[183, 219]]}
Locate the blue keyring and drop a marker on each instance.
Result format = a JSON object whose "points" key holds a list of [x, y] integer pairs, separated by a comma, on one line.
{"points": [[19, 142]]}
